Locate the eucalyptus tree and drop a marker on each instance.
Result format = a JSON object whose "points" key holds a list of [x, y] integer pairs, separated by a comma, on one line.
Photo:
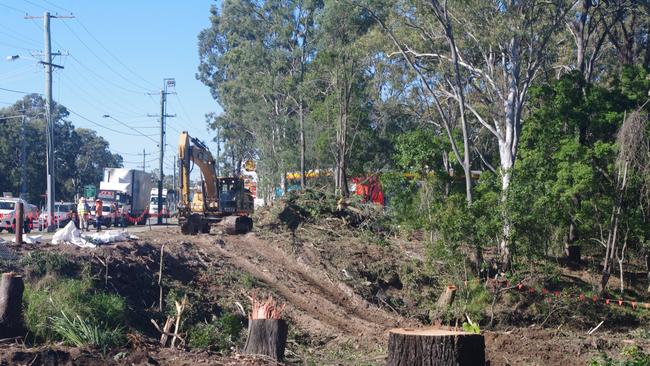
{"points": [[254, 57]]}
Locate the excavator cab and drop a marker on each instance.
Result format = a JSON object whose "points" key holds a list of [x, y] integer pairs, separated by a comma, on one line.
{"points": [[233, 197]]}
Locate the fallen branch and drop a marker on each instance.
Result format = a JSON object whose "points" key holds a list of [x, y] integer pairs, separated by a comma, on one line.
{"points": [[595, 328], [180, 307]]}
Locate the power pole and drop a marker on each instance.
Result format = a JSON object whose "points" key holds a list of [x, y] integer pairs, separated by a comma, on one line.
{"points": [[169, 82], [23, 157], [144, 160], [218, 150], [174, 179], [49, 127]]}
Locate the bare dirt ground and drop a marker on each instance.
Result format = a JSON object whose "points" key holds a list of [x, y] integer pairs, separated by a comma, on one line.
{"points": [[331, 323]]}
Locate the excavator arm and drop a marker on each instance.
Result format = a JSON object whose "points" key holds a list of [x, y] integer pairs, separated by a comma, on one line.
{"points": [[192, 150]]}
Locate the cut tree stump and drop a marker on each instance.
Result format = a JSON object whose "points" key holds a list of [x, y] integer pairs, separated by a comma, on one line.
{"points": [[267, 337], [435, 347], [11, 305], [447, 297]]}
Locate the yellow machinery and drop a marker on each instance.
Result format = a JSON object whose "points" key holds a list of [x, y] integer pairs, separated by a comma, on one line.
{"points": [[219, 199]]}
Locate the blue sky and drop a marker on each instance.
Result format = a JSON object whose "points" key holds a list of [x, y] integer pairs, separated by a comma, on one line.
{"points": [[118, 52]]}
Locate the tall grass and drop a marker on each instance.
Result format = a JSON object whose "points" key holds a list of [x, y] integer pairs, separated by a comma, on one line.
{"points": [[80, 332]]}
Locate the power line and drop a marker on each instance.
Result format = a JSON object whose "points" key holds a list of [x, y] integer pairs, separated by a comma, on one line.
{"points": [[19, 92], [103, 78], [101, 59], [36, 5], [56, 6], [12, 8], [113, 55], [17, 35], [131, 128], [15, 46], [105, 97], [102, 126]]}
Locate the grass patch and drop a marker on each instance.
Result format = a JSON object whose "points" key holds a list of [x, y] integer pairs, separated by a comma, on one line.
{"points": [[50, 297], [39, 263], [78, 332]]}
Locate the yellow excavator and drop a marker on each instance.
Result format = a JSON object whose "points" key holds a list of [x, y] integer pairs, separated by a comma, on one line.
{"points": [[219, 201]]}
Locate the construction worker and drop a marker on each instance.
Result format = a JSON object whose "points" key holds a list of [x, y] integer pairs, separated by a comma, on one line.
{"points": [[82, 211], [99, 206]]}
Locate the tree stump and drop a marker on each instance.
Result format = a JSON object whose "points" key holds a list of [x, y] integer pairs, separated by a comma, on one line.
{"points": [[434, 347], [11, 301], [447, 297], [267, 337], [573, 253]]}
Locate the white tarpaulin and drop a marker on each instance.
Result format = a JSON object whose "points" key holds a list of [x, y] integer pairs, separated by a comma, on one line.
{"points": [[69, 234]]}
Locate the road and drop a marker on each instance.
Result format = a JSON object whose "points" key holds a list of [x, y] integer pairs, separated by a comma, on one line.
{"points": [[132, 229]]}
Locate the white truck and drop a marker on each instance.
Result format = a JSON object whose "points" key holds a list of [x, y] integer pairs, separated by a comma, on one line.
{"points": [[153, 203], [130, 190]]}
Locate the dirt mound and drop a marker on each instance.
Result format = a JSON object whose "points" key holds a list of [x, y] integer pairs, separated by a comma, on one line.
{"points": [[66, 356]]}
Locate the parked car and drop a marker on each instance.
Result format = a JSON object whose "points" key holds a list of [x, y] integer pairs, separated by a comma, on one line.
{"points": [[8, 214], [63, 214], [108, 214]]}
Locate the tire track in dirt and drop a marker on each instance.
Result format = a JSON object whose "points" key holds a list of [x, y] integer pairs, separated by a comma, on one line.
{"points": [[323, 304]]}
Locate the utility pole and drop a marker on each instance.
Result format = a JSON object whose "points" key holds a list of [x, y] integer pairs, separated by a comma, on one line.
{"points": [[218, 150], [144, 160], [49, 127], [174, 180], [168, 82], [23, 157]]}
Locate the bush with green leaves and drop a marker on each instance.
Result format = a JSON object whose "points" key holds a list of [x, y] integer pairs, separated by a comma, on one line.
{"points": [[220, 334], [632, 356], [49, 298]]}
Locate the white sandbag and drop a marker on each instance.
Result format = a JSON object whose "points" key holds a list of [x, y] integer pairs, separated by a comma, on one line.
{"points": [[69, 234]]}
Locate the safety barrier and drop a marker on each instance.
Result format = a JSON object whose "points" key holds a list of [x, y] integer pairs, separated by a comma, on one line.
{"points": [[555, 295]]}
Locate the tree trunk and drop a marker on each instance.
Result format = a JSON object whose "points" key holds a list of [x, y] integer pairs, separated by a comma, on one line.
{"points": [[11, 303], [303, 184], [266, 337], [410, 347], [447, 297]]}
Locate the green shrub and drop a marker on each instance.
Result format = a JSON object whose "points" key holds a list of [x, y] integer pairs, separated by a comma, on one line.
{"points": [[632, 356], [47, 299], [220, 334]]}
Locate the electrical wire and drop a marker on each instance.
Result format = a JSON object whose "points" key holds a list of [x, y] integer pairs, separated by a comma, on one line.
{"points": [[102, 60], [113, 55], [56, 6], [133, 129], [105, 79], [36, 5], [14, 9], [102, 126], [19, 37], [14, 46], [18, 91], [85, 93]]}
